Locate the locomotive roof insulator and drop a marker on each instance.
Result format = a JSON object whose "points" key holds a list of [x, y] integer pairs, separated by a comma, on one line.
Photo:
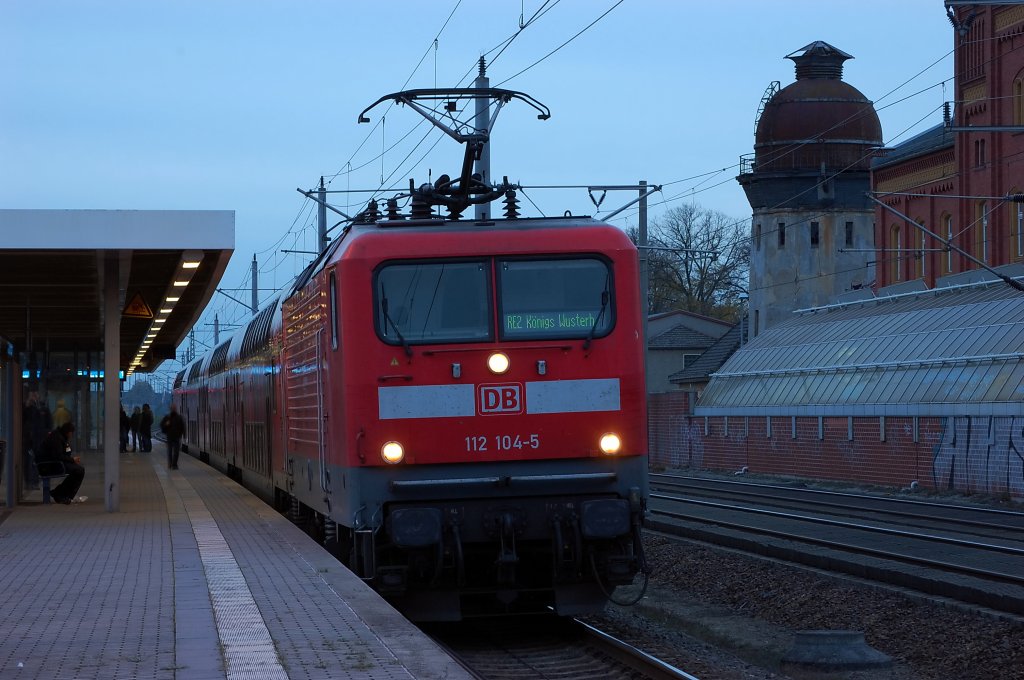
{"points": [[393, 211], [511, 204], [372, 213], [421, 206]]}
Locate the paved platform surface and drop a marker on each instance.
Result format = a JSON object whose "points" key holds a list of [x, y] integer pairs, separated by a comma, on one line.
{"points": [[194, 578]]}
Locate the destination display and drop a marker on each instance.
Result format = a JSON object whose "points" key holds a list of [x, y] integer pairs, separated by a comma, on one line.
{"points": [[555, 323]]}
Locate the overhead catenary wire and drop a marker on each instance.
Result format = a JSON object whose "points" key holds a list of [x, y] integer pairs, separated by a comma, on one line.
{"points": [[432, 45], [505, 43], [704, 177], [546, 56], [707, 175], [307, 205], [941, 84]]}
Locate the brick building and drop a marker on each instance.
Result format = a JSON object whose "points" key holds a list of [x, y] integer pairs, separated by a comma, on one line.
{"points": [[919, 377], [954, 178]]}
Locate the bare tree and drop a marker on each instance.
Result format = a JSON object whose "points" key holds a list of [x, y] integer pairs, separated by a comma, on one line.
{"points": [[699, 261]]}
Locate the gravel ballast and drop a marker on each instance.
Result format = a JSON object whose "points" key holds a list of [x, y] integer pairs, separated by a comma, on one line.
{"points": [[720, 614]]}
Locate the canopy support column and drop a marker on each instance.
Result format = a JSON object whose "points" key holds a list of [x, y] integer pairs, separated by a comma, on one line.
{"points": [[111, 382]]}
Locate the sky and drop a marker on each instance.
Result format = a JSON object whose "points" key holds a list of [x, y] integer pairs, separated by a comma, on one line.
{"points": [[233, 104]]}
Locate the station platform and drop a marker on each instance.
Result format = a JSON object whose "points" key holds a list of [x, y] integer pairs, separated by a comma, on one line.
{"points": [[193, 578]]}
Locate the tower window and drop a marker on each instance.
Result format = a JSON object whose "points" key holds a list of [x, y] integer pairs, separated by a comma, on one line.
{"points": [[979, 153], [757, 236], [782, 234], [849, 234], [814, 234]]}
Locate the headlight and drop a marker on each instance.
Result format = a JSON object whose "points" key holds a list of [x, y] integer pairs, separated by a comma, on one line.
{"points": [[610, 443], [392, 452], [498, 362]]}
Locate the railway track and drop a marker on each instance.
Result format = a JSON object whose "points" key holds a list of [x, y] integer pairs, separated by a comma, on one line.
{"points": [[546, 647], [974, 555], [980, 521]]}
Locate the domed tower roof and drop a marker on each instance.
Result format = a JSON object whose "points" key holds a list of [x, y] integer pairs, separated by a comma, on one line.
{"points": [[818, 119]]}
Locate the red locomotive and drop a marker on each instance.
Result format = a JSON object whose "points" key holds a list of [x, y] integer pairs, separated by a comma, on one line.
{"points": [[455, 408]]}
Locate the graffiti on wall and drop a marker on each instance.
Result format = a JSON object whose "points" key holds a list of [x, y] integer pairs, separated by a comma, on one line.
{"points": [[691, 453], [980, 454]]}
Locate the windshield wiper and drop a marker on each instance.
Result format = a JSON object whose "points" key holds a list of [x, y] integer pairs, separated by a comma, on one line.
{"points": [[604, 305], [388, 319]]}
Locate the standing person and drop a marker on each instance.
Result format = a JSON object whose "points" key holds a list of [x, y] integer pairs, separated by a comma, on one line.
{"points": [[60, 414], [45, 416], [133, 425], [56, 447], [173, 426], [146, 429], [126, 423], [33, 431]]}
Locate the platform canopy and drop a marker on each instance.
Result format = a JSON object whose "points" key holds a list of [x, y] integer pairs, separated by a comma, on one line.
{"points": [[957, 349], [52, 265]]}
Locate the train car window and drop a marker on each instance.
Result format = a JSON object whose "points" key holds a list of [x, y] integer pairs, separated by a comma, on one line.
{"points": [[179, 378], [427, 302], [333, 294], [258, 332], [555, 298], [219, 361]]}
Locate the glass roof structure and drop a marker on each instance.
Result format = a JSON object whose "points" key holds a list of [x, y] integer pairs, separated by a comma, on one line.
{"points": [[957, 350]]}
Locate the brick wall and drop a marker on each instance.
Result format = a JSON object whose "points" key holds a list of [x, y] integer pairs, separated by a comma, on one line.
{"points": [[669, 443], [967, 454]]}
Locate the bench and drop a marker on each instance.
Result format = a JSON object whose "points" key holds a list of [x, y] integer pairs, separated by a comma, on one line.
{"points": [[50, 469]]}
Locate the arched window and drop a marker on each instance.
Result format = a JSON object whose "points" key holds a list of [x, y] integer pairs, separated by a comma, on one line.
{"points": [[920, 256], [895, 253], [947, 224], [981, 232], [1018, 100], [1016, 222]]}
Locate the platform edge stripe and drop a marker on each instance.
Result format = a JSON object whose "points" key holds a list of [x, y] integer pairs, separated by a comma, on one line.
{"points": [[247, 642]]}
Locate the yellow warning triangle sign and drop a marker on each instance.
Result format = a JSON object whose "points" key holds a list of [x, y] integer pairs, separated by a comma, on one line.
{"points": [[137, 308], [394, 361]]}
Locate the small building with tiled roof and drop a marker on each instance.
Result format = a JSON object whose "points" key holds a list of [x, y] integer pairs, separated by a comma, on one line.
{"points": [[675, 340], [694, 377]]}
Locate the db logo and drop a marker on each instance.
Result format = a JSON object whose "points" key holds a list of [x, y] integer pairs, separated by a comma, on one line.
{"points": [[501, 398]]}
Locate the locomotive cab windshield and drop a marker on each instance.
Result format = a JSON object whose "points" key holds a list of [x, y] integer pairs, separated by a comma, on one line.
{"points": [[432, 302]]}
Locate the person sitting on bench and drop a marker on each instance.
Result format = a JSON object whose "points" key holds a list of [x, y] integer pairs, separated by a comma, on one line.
{"points": [[56, 447]]}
